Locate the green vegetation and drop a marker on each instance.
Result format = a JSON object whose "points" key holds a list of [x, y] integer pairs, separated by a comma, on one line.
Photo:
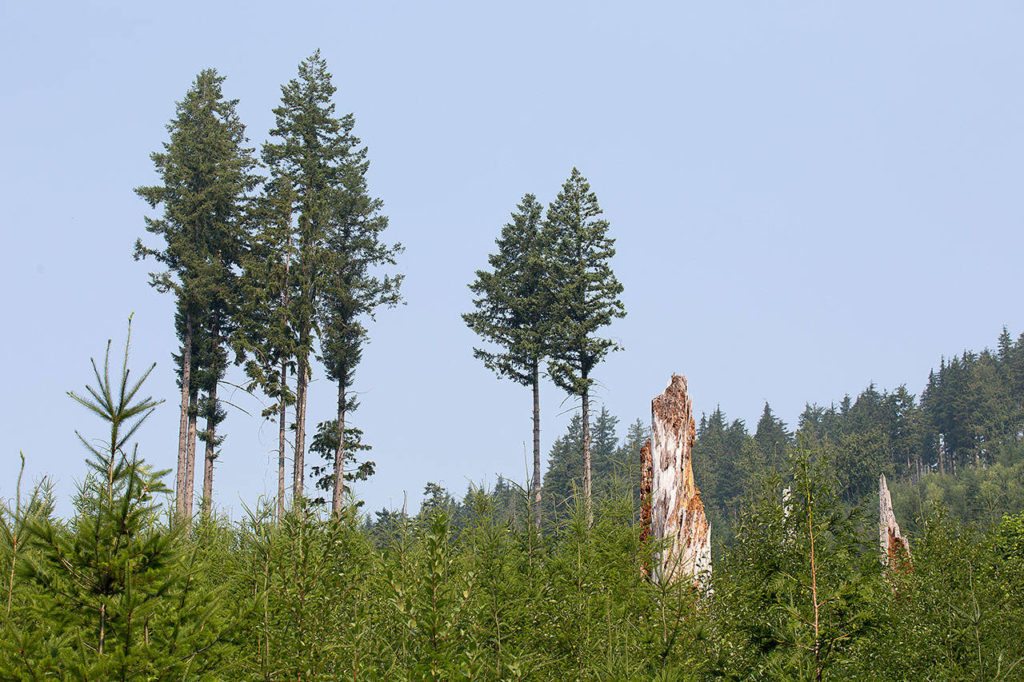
{"points": [[471, 589], [542, 582]]}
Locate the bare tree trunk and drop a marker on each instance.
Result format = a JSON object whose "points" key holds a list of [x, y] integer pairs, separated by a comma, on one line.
{"points": [[281, 433], [186, 378], [677, 513], [283, 423], [211, 452], [536, 443], [587, 499], [338, 497], [894, 549], [298, 472], [190, 452], [814, 592]]}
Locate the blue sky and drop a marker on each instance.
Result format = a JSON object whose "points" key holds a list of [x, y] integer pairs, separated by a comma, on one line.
{"points": [[806, 198]]}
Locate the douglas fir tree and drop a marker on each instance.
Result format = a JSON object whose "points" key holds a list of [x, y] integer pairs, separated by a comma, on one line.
{"points": [[205, 173], [585, 298], [512, 305]]}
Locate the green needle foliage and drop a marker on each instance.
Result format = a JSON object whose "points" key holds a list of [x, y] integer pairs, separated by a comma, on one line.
{"points": [[318, 171], [265, 341], [111, 592], [309, 159], [798, 587], [206, 173], [352, 290], [513, 312], [586, 297]]}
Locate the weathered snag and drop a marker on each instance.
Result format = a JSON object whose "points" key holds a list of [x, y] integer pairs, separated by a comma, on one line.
{"points": [[894, 548], [676, 512]]}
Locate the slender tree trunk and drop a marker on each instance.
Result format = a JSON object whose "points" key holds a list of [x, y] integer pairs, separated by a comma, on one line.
{"points": [[190, 452], [282, 426], [814, 592], [587, 499], [211, 453], [339, 455], [186, 377], [298, 473], [536, 443]]}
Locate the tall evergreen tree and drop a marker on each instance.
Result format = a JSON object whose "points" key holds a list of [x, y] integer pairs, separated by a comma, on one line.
{"points": [[604, 448], [311, 154], [512, 302], [772, 438], [565, 461], [265, 338], [205, 172], [352, 291], [585, 298]]}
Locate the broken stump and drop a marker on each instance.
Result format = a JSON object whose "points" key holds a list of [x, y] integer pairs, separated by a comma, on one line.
{"points": [[675, 511]]}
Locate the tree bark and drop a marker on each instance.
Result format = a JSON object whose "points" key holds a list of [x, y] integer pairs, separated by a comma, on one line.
{"points": [[587, 499], [186, 378], [190, 452], [282, 426], [211, 452], [298, 472], [338, 497], [536, 443]]}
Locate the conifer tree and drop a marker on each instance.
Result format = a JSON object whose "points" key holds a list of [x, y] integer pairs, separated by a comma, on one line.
{"points": [[512, 301], [312, 155], [325, 443], [113, 592], [771, 438], [266, 288], [205, 173], [585, 298], [352, 289], [565, 460]]}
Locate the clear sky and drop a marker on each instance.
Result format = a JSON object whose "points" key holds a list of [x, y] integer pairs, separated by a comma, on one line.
{"points": [[806, 196]]}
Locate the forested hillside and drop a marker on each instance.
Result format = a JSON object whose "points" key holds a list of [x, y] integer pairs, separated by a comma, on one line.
{"points": [[278, 264], [960, 446]]}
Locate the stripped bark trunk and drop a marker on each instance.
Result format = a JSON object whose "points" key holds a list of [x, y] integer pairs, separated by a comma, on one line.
{"points": [[298, 471], [677, 513], [339, 455], [186, 378], [587, 499], [211, 452], [190, 452], [536, 443], [893, 547], [282, 426]]}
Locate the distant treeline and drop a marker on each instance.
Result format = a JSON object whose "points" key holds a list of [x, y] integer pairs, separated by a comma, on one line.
{"points": [[961, 444]]}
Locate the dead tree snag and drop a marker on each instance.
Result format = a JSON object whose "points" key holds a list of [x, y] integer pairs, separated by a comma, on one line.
{"points": [[676, 512], [894, 548]]}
